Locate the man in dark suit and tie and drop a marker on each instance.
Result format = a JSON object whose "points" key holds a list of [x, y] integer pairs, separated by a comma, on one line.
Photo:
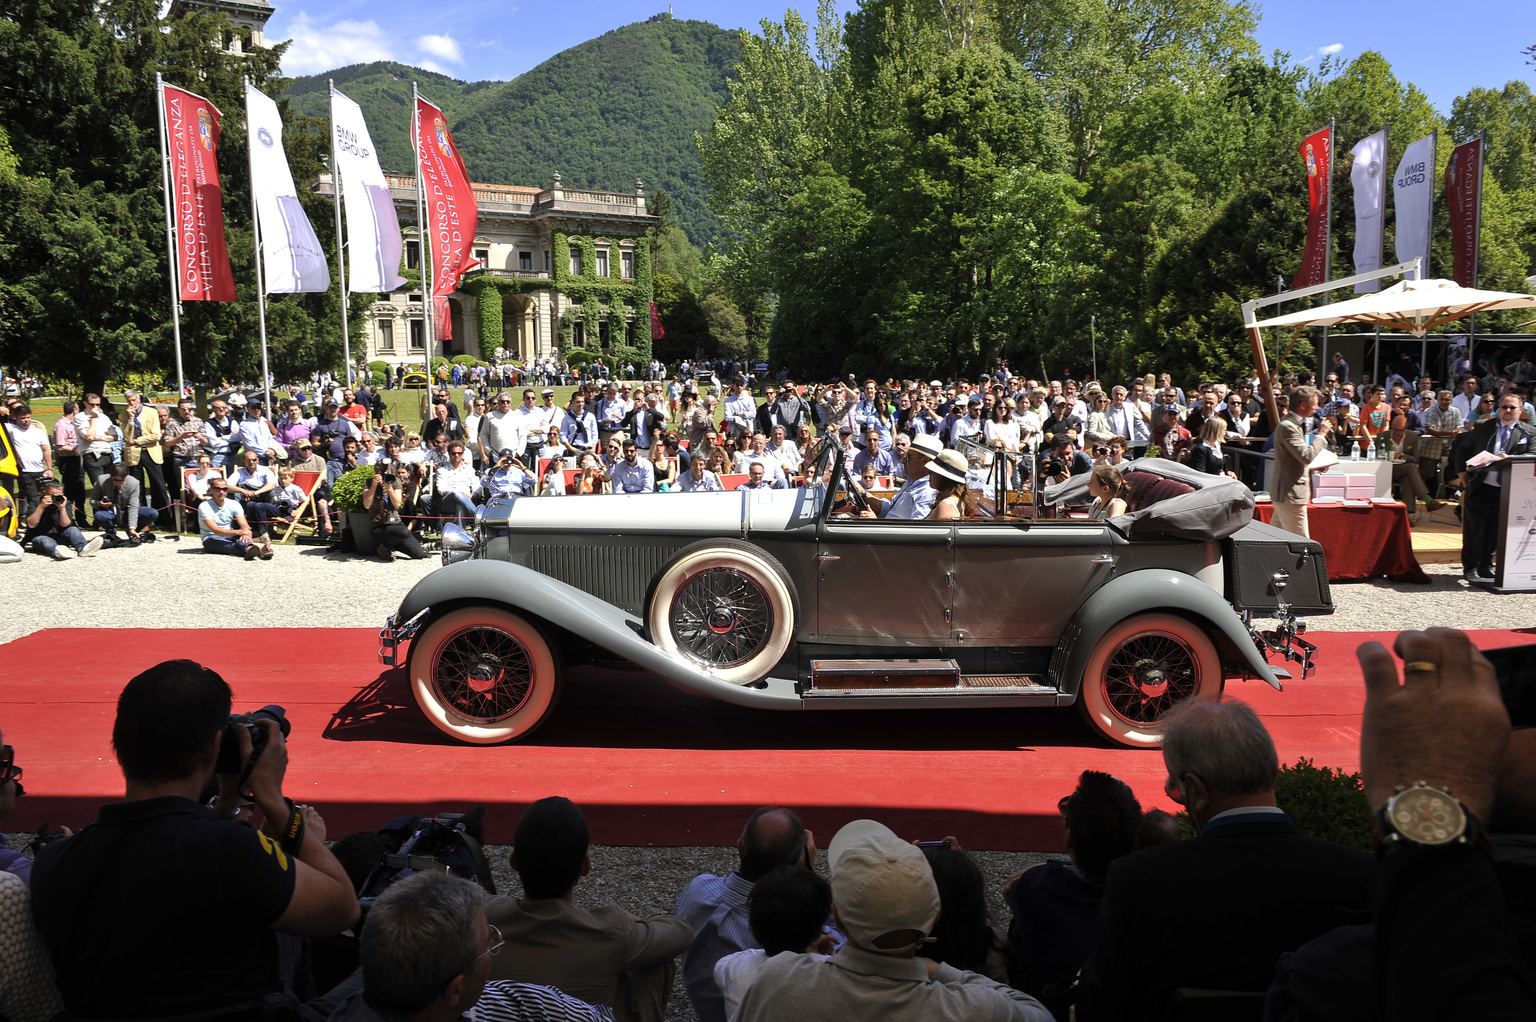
{"points": [[1502, 435], [1217, 912]]}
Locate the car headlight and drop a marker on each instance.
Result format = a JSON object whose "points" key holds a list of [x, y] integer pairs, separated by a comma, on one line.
{"points": [[456, 539]]}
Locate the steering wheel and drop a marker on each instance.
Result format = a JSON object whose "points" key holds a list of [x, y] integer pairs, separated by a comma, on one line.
{"points": [[857, 497]]}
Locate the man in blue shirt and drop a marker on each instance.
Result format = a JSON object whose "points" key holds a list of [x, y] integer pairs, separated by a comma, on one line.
{"points": [[508, 476], [716, 906], [579, 428], [883, 459], [632, 474]]}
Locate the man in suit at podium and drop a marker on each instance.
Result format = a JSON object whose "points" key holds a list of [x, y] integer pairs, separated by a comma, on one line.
{"points": [[1503, 435]]}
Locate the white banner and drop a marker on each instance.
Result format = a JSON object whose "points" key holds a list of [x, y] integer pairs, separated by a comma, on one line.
{"points": [[1367, 174], [374, 244], [292, 259], [1413, 192]]}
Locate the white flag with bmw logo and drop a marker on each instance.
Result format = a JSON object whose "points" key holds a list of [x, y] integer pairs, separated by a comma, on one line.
{"points": [[374, 244], [291, 255]]}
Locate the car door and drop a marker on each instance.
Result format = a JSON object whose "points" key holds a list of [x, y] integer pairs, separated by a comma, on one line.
{"points": [[884, 583], [1018, 584]]}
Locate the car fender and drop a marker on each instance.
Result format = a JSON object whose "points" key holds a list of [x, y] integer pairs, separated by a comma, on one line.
{"points": [[1147, 591], [541, 597]]}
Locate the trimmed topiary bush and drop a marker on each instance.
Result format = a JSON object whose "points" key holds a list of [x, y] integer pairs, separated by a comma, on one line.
{"points": [[347, 493], [1325, 803]]}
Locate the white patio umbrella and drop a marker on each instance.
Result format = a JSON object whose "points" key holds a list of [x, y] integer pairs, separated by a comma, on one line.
{"points": [[1416, 306]]}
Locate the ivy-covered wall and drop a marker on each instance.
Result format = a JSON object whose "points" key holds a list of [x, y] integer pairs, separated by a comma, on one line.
{"points": [[588, 291]]}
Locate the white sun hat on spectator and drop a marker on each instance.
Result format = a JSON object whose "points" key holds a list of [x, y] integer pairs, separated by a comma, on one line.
{"points": [[949, 465], [883, 887], [927, 443]]}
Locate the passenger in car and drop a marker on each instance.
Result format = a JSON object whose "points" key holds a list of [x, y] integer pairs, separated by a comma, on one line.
{"points": [[914, 500], [952, 498], [1109, 491]]}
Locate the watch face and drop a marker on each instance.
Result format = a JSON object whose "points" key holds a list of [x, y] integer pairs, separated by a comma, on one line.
{"points": [[1427, 816]]}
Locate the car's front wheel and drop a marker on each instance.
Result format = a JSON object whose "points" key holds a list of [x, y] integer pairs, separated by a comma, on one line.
{"points": [[1140, 670], [725, 606], [484, 675]]}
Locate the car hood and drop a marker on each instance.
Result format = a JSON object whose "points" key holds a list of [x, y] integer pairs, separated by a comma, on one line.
{"points": [[713, 514]]}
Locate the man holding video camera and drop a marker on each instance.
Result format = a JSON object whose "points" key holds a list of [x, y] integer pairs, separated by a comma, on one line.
{"points": [[166, 906]]}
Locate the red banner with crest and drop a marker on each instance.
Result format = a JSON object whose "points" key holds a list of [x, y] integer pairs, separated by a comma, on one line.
{"points": [[192, 144], [1317, 150], [452, 212], [1464, 198]]}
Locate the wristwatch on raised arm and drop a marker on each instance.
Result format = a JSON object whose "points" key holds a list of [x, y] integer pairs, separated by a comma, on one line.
{"points": [[1421, 816]]}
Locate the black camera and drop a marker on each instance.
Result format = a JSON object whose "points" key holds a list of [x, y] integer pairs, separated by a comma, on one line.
{"points": [[1055, 467], [58, 498], [229, 748], [389, 477], [1099, 452]]}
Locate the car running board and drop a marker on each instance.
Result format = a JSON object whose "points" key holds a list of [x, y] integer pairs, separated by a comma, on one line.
{"points": [[865, 678]]}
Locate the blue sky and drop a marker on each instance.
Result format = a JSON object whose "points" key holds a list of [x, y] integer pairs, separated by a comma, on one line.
{"points": [[1444, 48]]}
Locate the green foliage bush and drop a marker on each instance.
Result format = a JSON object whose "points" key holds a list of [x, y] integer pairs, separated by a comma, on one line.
{"points": [[579, 357], [1325, 803], [379, 368], [465, 360], [347, 493]]}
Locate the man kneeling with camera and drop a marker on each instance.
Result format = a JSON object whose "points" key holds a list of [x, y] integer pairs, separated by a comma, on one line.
{"points": [[167, 906]]}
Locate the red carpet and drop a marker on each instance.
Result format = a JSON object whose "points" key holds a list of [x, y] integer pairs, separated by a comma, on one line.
{"points": [[648, 764]]}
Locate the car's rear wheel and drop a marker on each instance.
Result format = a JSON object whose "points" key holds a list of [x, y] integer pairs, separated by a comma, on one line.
{"points": [[484, 675], [725, 606], [1141, 669]]}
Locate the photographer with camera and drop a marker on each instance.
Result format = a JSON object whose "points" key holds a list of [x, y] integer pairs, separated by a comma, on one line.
{"points": [[51, 529], [508, 475], [165, 906], [1063, 461], [383, 498]]}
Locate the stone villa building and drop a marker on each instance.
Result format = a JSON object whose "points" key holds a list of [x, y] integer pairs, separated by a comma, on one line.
{"points": [[562, 269]]}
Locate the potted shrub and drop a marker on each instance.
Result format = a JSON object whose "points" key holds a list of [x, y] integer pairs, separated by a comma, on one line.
{"points": [[347, 496]]}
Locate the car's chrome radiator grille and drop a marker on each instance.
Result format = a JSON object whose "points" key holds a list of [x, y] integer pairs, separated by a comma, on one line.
{"points": [[615, 574]]}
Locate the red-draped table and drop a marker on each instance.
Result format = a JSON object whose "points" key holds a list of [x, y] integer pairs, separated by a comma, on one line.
{"points": [[1361, 542]]}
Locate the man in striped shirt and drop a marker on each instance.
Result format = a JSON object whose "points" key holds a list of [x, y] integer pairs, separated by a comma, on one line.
{"points": [[426, 955]]}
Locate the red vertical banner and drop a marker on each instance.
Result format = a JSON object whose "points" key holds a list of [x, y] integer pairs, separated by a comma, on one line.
{"points": [[451, 209], [657, 332], [192, 144], [1464, 198], [1317, 151]]}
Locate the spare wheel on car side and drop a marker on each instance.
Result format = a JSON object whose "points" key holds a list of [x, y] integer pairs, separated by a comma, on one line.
{"points": [[725, 606], [1141, 669], [483, 674]]}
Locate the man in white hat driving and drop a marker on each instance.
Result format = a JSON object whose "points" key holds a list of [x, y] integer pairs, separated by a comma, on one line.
{"points": [[914, 500], [885, 899]]}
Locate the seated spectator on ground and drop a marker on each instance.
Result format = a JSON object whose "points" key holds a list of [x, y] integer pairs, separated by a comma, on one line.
{"points": [[427, 954], [1216, 912], [252, 484], [457, 485], [28, 992], [1055, 904], [885, 899], [602, 955], [716, 907], [383, 499], [51, 529], [223, 526], [165, 906], [119, 503], [787, 911], [963, 937]]}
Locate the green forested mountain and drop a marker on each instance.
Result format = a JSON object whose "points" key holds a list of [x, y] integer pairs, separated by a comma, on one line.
{"points": [[619, 107]]}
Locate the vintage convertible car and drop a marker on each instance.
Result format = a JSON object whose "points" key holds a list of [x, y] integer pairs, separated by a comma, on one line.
{"points": [[779, 599]]}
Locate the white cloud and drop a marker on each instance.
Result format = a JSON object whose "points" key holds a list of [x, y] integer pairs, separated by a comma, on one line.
{"points": [[326, 47], [443, 47], [432, 65], [1330, 49]]}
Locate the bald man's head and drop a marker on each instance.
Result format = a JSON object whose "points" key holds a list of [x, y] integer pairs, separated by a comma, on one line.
{"points": [[773, 837]]}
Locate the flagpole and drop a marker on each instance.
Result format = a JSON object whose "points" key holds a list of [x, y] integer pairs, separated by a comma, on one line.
{"points": [[422, 247], [1328, 234], [170, 232], [341, 265], [261, 291]]}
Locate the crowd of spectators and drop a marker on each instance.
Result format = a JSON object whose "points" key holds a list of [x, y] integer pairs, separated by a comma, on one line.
{"points": [[172, 904], [694, 431]]}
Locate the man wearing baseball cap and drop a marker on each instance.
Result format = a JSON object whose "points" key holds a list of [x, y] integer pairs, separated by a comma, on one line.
{"points": [[885, 899]]}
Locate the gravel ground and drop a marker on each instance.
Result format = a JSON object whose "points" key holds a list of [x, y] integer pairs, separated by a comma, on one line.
{"points": [[46, 594]]}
